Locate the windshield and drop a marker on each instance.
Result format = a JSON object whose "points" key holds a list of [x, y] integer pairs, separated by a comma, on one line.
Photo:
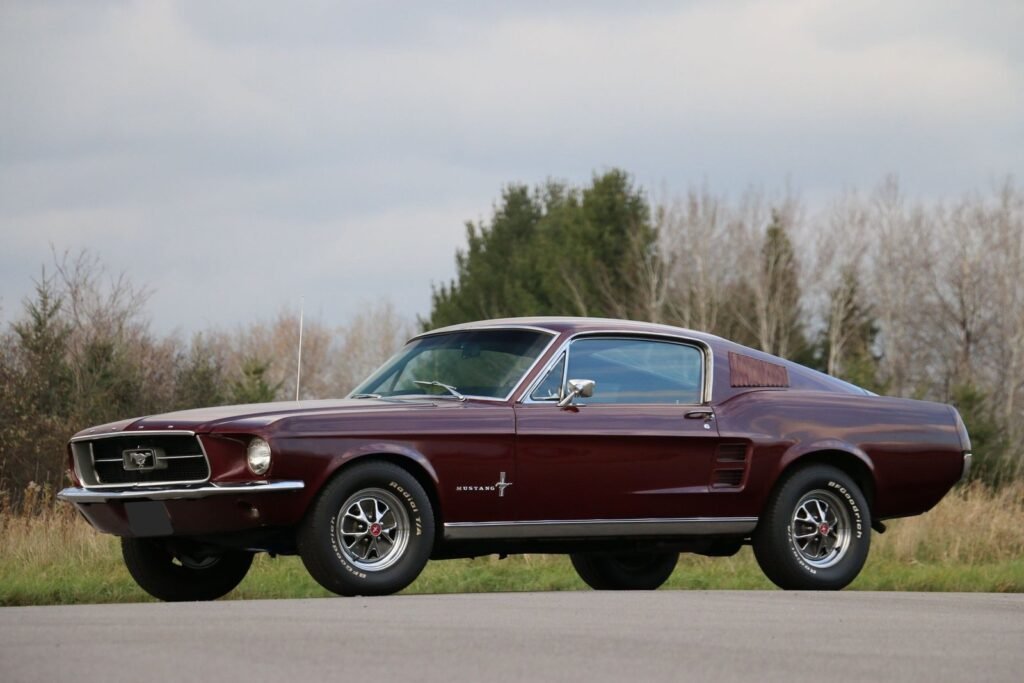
{"points": [[487, 363]]}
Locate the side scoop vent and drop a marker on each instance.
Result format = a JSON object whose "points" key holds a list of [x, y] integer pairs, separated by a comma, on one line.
{"points": [[727, 479], [731, 452], [730, 466]]}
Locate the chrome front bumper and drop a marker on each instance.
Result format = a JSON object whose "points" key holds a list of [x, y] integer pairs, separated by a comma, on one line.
{"points": [[82, 495]]}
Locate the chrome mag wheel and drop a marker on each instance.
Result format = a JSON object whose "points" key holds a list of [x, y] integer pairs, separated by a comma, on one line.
{"points": [[372, 529], [821, 528]]}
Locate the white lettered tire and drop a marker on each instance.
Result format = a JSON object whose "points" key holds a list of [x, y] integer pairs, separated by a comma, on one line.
{"points": [[815, 532], [369, 532]]}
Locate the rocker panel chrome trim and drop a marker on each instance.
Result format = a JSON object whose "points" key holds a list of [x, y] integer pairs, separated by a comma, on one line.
{"points": [[591, 528]]}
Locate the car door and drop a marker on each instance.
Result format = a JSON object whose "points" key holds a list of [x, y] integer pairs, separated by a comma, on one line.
{"points": [[640, 447]]}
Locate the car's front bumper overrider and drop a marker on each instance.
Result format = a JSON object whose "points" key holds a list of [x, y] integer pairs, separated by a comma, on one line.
{"points": [[84, 495]]}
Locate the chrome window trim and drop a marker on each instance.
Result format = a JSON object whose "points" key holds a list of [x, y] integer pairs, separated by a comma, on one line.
{"points": [[703, 347], [494, 399], [595, 528], [470, 327], [141, 432], [548, 367], [137, 492]]}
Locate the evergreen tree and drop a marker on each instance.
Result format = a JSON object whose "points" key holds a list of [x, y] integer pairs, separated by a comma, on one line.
{"points": [[782, 329], [42, 339], [200, 378], [991, 462], [845, 347], [252, 386], [554, 251]]}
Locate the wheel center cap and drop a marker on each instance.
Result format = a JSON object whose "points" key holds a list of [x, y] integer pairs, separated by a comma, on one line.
{"points": [[823, 529], [375, 529]]}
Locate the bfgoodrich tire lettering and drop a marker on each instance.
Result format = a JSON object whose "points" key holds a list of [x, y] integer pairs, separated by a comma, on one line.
{"points": [[625, 571], [176, 577], [369, 532], [816, 530]]}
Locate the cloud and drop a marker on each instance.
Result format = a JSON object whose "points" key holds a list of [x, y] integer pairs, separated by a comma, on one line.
{"points": [[237, 155]]}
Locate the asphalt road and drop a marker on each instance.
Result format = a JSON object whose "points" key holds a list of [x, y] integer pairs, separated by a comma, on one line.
{"points": [[582, 636]]}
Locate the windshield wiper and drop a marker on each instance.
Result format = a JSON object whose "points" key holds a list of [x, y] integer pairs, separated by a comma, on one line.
{"points": [[365, 396], [434, 383]]}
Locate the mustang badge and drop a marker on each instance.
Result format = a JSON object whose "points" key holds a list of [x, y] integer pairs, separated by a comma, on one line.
{"points": [[498, 486], [139, 459]]}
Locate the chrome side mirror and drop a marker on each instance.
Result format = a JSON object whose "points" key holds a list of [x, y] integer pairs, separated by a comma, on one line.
{"points": [[577, 387]]}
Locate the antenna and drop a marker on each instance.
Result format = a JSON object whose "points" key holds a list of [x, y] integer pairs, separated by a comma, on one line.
{"points": [[298, 365]]}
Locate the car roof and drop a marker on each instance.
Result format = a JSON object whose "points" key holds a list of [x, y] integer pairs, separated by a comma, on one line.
{"points": [[561, 324]]}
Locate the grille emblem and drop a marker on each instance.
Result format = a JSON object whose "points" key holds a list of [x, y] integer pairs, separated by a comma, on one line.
{"points": [[139, 459]]}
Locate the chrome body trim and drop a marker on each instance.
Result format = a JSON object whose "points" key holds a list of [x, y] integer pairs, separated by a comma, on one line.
{"points": [[596, 528], [81, 495], [565, 348], [966, 468], [76, 443], [547, 347], [144, 432]]}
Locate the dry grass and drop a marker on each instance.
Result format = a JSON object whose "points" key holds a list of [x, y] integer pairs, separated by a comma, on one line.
{"points": [[972, 525], [43, 531], [973, 540]]}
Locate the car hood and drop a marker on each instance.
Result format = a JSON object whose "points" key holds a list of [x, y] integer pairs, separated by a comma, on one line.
{"points": [[253, 415]]}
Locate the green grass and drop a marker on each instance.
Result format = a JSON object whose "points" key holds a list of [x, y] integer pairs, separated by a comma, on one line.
{"points": [[973, 541]]}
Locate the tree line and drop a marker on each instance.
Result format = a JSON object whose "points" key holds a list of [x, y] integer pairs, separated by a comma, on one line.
{"points": [[902, 297], [82, 353]]}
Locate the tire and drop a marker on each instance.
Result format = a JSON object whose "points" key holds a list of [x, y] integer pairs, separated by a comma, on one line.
{"points": [[369, 532], [179, 578], [815, 532], [641, 571]]}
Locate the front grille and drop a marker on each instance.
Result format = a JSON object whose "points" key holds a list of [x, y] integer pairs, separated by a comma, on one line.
{"points": [[179, 458]]}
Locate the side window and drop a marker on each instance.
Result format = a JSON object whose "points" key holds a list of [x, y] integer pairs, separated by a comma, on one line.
{"points": [[638, 370], [550, 389]]}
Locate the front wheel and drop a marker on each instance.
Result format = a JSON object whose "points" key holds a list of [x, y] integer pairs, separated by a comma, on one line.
{"points": [[815, 532], [640, 571], [370, 531], [173, 575]]}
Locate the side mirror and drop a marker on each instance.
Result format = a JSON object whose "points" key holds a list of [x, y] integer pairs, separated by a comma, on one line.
{"points": [[577, 387]]}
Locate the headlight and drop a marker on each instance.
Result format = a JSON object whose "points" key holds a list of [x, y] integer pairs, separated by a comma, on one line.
{"points": [[259, 456]]}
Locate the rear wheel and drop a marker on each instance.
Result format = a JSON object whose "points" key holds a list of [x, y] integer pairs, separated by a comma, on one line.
{"points": [[370, 532], [624, 571], [815, 532], [174, 575]]}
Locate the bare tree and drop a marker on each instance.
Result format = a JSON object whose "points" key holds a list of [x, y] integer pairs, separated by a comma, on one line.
{"points": [[839, 258], [370, 338], [275, 343], [697, 267]]}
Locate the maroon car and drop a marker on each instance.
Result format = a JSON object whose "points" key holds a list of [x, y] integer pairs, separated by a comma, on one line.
{"points": [[619, 443]]}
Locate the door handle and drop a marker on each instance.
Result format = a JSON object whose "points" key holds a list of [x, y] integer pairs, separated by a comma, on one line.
{"points": [[700, 415]]}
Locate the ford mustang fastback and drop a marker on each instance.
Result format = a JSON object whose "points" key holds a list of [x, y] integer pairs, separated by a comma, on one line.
{"points": [[621, 444]]}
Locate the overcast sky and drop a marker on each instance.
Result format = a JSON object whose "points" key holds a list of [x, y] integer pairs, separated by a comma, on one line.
{"points": [[236, 156]]}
